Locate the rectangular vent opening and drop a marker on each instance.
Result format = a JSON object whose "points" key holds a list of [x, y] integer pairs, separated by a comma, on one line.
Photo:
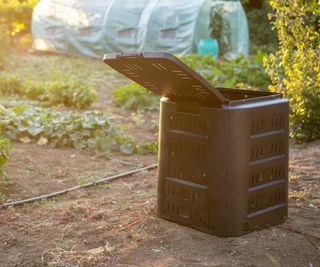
{"points": [[261, 176], [266, 200], [185, 204], [188, 122], [187, 171], [266, 149], [186, 149], [267, 123]]}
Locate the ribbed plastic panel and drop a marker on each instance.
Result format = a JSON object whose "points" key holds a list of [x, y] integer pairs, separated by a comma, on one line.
{"points": [[224, 171]]}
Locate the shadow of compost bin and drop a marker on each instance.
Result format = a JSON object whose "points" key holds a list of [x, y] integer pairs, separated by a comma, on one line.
{"points": [[223, 153]]}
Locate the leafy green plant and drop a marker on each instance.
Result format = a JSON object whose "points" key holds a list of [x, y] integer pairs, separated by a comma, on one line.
{"points": [[148, 148], [90, 130], [134, 96], [294, 69], [15, 17], [4, 50], [69, 94], [238, 72], [220, 28], [5, 147], [10, 84], [262, 37]]}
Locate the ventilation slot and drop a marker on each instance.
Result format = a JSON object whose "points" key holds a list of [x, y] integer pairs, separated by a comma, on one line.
{"points": [[257, 126], [182, 75], [266, 149], [188, 150], [187, 93], [185, 204], [168, 34], [158, 66], [265, 175], [132, 67], [187, 170], [188, 122], [265, 124], [266, 200], [276, 122], [126, 33]]}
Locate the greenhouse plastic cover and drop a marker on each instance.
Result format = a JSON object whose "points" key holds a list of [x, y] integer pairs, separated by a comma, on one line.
{"points": [[93, 28]]}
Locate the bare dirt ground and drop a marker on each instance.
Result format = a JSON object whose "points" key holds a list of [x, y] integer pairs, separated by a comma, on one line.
{"points": [[116, 224]]}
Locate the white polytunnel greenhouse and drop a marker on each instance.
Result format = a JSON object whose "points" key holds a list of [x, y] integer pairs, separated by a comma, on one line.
{"points": [[96, 27]]}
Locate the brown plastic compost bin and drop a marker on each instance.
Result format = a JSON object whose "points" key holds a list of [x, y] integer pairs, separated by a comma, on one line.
{"points": [[223, 153]]}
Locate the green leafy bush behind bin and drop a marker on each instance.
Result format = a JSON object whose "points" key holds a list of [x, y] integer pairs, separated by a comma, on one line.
{"points": [[133, 96], [295, 68], [238, 72], [69, 94], [262, 37]]}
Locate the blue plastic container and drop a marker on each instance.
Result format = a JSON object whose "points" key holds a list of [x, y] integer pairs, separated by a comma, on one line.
{"points": [[208, 46]]}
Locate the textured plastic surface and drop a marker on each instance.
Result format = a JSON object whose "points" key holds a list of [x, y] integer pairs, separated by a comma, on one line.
{"points": [[223, 169], [165, 75]]}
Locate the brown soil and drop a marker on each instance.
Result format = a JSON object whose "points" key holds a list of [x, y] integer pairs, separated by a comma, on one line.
{"points": [[116, 224]]}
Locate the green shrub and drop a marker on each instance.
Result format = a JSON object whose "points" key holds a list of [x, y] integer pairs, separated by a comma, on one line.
{"points": [[10, 84], [220, 29], [69, 94], [134, 96], [238, 72], [15, 17], [262, 37], [5, 147], [148, 148], [294, 69], [4, 48]]}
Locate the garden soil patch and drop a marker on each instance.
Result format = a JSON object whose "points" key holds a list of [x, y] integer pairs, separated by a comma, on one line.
{"points": [[116, 224]]}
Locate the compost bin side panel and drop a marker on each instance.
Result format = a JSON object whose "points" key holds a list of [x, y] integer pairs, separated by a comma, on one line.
{"points": [[264, 165]]}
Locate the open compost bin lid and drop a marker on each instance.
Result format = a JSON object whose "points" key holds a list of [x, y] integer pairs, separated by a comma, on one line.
{"points": [[165, 75]]}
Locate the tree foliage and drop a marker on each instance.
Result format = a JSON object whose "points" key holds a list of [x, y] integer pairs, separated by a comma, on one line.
{"points": [[15, 16], [295, 68]]}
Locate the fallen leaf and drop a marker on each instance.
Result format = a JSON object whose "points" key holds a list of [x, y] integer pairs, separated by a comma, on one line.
{"points": [[25, 140], [42, 141]]}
